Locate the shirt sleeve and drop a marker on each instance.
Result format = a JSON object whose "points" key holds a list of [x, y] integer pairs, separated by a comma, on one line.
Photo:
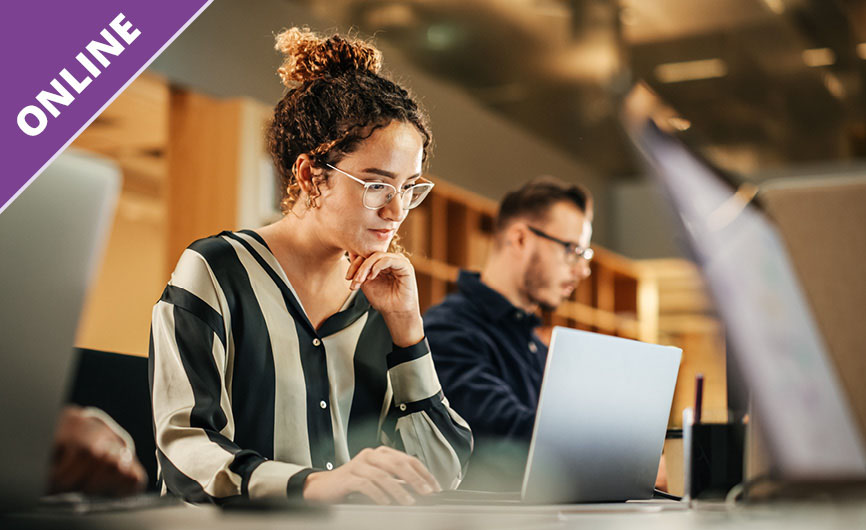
{"points": [[426, 426], [488, 403], [193, 423]]}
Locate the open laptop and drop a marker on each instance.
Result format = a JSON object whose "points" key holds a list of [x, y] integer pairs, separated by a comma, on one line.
{"points": [[806, 420], [601, 421], [51, 238], [600, 425]]}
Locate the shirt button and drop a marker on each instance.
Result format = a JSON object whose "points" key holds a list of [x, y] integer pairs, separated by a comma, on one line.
{"points": [[323, 404], [532, 347], [403, 407], [329, 466], [517, 315], [316, 342]]}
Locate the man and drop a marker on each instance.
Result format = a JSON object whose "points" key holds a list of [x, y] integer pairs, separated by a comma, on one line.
{"points": [[487, 355], [489, 359]]}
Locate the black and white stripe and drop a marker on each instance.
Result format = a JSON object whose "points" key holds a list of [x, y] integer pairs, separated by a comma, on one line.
{"points": [[249, 398]]}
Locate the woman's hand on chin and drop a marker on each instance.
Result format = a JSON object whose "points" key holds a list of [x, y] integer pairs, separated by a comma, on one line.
{"points": [[388, 282]]}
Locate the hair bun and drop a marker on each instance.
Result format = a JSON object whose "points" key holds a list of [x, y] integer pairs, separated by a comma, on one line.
{"points": [[308, 56]]}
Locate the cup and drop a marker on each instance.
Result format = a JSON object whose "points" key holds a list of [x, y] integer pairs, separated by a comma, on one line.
{"points": [[712, 456]]}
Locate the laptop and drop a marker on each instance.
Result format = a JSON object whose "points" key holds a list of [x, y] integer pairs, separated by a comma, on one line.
{"points": [[52, 237], [805, 417], [602, 417], [600, 425]]}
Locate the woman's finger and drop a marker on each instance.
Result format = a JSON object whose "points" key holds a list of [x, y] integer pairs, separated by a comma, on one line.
{"points": [[400, 266], [359, 277], [354, 263], [370, 489], [422, 470], [381, 265], [418, 467], [387, 483], [398, 464], [364, 269]]}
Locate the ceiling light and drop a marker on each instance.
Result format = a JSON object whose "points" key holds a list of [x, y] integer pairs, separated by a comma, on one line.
{"points": [[819, 57], [391, 16], [442, 37], [691, 70], [593, 62], [776, 6]]}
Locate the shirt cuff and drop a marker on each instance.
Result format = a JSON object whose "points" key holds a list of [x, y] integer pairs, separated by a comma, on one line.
{"points": [[401, 355], [273, 479], [412, 374], [295, 486]]}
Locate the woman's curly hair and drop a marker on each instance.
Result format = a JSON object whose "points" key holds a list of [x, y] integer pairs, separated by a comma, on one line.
{"points": [[335, 99]]}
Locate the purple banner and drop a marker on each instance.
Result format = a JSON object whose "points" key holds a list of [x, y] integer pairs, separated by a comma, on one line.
{"points": [[64, 62]]}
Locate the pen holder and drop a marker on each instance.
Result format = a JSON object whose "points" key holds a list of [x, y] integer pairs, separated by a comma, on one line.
{"points": [[712, 457]]}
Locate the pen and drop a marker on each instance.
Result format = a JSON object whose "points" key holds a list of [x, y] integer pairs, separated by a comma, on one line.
{"points": [[699, 396]]}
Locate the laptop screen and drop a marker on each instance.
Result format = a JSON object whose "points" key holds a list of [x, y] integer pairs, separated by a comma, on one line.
{"points": [[51, 238], [775, 341]]}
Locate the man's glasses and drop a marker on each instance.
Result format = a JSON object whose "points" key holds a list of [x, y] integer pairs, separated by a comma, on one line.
{"points": [[573, 251], [378, 194]]}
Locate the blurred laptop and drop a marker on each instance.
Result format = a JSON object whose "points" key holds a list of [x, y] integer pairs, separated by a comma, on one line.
{"points": [[600, 425], [52, 237], [805, 418]]}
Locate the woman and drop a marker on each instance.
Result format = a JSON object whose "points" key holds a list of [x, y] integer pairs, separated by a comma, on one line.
{"points": [[291, 360]]}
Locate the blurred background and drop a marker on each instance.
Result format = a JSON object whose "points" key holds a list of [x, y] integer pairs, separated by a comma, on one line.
{"points": [[767, 89]]}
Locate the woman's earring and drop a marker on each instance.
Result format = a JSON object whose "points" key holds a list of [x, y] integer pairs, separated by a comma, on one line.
{"points": [[313, 196], [312, 200]]}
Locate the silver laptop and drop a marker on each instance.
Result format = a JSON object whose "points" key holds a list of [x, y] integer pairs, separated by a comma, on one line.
{"points": [[600, 424], [601, 421], [51, 238]]}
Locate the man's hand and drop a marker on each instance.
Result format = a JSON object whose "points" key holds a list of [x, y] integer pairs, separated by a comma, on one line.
{"points": [[388, 282], [89, 457], [382, 474]]}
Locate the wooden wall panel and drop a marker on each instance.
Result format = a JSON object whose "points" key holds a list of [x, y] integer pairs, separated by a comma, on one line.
{"points": [[203, 161]]}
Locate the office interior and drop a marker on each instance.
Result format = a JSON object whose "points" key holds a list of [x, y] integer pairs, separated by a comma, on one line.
{"points": [[770, 90]]}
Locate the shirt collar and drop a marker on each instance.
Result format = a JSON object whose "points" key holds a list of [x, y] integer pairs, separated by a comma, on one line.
{"points": [[492, 302], [354, 308]]}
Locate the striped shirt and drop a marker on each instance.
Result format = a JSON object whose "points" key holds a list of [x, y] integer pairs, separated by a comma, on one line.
{"points": [[249, 398]]}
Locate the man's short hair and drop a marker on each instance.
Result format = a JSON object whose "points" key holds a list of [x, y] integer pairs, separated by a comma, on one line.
{"points": [[537, 196]]}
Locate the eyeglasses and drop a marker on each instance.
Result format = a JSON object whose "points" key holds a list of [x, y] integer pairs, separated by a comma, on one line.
{"points": [[573, 251], [378, 194]]}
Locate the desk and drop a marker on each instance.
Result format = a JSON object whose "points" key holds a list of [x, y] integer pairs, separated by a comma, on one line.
{"points": [[793, 516]]}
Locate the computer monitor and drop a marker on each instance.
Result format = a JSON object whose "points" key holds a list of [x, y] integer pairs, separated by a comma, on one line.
{"points": [[804, 413]]}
